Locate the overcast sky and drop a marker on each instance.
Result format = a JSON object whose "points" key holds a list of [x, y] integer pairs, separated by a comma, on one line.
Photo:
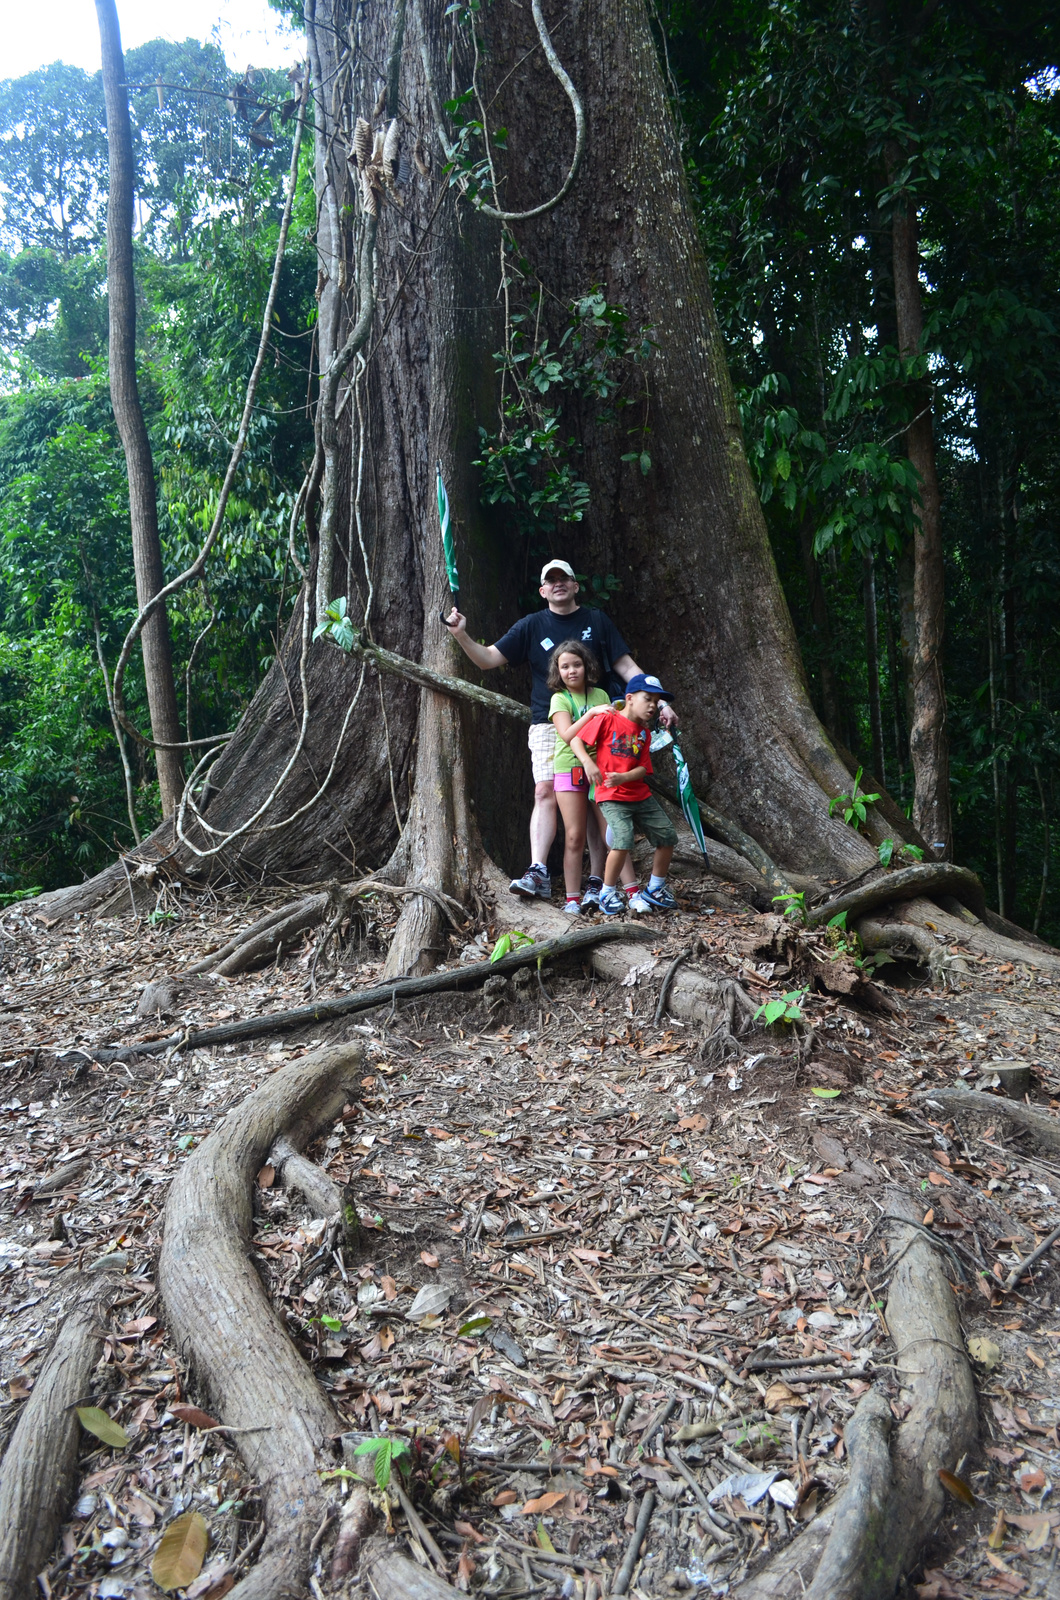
{"points": [[247, 30]]}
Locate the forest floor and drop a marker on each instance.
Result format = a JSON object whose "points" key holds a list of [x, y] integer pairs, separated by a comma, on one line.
{"points": [[611, 1231]]}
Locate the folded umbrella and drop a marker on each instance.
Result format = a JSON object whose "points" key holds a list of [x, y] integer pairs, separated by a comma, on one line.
{"points": [[689, 803], [448, 548]]}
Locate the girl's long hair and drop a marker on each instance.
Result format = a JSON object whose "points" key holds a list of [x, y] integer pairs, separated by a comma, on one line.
{"points": [[572, 647]]}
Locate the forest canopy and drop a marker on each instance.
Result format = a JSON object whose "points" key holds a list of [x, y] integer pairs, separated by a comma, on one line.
{"points": [[801, 133]]}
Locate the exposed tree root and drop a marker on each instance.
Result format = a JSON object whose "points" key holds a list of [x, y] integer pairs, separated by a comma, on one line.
{"points": [[394, 1577], [218, 1312], [980, 938], [367, 999], [326, 1199], [39, 1467], [1043, 1129], [269, 937], [908, 883], [906, 937], [859, 1548]]}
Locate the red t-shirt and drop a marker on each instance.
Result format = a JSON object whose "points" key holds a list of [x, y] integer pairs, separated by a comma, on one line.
{"points": [[621, 745]]}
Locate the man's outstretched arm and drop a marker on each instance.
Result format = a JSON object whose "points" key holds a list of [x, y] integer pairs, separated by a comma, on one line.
{"points": [[484, 656]]}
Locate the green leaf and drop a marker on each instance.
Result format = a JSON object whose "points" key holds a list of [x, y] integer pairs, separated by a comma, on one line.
{"points": [[839, 920], [382, 1451], [333, 1324], [886, 851], [180, 1555], [827, 1094], [501, 948], [645, 462], [543, 1540], [97, 1422], [475, 1325]]}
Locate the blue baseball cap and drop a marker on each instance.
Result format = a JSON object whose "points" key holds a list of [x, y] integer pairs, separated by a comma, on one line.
{"points": [[650, 684]]}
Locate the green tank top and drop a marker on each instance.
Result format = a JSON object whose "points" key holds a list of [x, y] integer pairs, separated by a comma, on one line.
{"points": [[564, 759]]}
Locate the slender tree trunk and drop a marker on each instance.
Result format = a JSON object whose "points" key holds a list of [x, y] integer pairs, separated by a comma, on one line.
{"points": [[1046, 849], [928, 740], [1009, 675], [995, 766], [822, 628], [896, 679], [872, 666], [128, 413]]}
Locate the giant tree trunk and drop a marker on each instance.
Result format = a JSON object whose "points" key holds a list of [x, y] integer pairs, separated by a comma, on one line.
{"points": [[128, 413], [928, 738], [701, 603]]}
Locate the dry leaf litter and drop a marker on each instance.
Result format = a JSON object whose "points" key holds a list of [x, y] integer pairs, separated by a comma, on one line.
{"points": [[589, 1266]]}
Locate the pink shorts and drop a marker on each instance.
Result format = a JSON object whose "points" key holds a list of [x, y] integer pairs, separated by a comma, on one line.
{"points": [[575, 780]]}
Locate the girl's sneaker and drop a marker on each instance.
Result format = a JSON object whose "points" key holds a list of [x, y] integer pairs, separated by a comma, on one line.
{"points": [[573, 906], [612, 902], [640, 903], [591, 897]]}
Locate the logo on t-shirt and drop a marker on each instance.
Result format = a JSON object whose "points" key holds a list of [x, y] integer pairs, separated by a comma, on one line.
{"points": [[546, 643], [626, 744], [587, 633]]}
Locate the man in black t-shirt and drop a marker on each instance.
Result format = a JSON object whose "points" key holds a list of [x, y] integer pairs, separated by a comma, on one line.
{"points": [[533, 639]]}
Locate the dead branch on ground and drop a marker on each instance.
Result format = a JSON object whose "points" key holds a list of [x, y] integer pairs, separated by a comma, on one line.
{"points": [[39, 1468]]}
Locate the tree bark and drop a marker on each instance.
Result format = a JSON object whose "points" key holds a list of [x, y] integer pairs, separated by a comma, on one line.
{"points": [[928, 741], [872, 665], [822, 627], [128, 413]]}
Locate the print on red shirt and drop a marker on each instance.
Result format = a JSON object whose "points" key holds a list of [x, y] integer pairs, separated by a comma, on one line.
{"points": [[621, 745]]}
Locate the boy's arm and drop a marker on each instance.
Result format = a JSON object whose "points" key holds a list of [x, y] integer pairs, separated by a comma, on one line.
{"points": [[614, 780]]}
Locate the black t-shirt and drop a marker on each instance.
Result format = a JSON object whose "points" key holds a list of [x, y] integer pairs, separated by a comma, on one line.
{"points": [[534, 638]]}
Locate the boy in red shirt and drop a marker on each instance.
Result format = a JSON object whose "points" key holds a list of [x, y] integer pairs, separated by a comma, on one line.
{"points": [[622, 762]]}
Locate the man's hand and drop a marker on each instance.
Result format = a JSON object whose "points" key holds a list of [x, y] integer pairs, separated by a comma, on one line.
{"points": [[668, 716], [456, 622]]}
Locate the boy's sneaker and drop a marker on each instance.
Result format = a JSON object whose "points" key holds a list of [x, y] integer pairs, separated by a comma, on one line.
{"points": [[533, 885], [612, 902], [659, 899], [638, 902], [573, 906], [591, 897]]}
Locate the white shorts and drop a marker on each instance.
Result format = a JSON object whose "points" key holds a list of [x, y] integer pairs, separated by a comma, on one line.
{"points": [[542, 742]]}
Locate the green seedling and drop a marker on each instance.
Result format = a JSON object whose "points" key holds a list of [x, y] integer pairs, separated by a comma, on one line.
{"points": [[786, 1009], [508, 942], [794, 904], [387, 1453], [855, 805], [888, 848]]}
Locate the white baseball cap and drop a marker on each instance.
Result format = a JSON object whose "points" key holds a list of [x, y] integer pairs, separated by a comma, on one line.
{"points": [[557, 566]]}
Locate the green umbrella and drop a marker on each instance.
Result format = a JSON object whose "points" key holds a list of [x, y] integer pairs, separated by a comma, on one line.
{"points": [[689, 803], [447, 542]]}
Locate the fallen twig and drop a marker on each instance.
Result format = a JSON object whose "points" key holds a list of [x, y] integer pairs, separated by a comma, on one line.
{"points": [[668, 978], [625, 1571], [367, 999], [1028, 1261]]}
